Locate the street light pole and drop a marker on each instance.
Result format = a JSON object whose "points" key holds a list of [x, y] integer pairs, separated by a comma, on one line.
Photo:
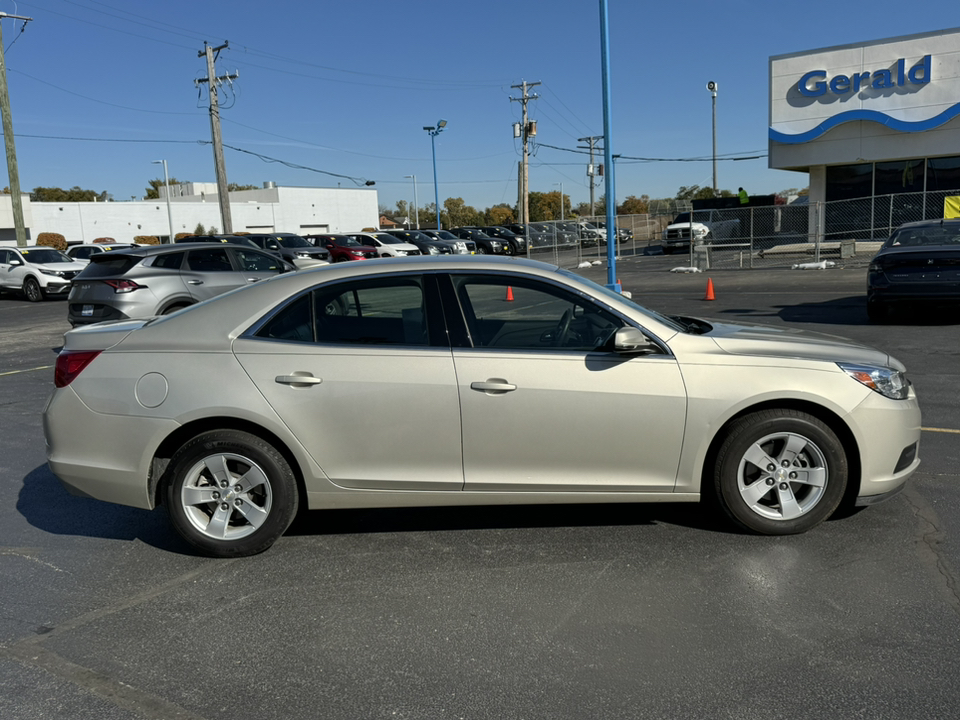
{"points": [[166, 194], [416, 203], [712, 87], [434, 131]]}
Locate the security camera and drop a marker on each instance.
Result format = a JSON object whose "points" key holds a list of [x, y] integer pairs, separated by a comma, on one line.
{"points": [[712, 86]]}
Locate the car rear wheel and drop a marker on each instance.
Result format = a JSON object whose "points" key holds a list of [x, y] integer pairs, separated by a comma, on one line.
{"points": [[31, 288], [780, 472], [230, 494], [174, 308], [481, 249]]}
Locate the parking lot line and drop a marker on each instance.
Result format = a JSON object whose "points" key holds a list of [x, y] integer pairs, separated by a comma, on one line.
{"points": [[943, 430], [17, 372]]}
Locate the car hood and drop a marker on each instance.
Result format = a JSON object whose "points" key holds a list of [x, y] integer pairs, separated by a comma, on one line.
{"points": [[770, 341], [74, 266]]}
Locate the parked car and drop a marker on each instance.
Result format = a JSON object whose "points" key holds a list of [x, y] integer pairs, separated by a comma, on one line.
{"points": [[385, 244], [82, 252], [557, 236], [292, 248], [460, 246], [516, 244], [592, 233], [919, 263], [234, 239], [486, 245], [154, 280], [237, 411], [37, 271], [343, 247], [537, 238], [706, 226], [424, 243]]}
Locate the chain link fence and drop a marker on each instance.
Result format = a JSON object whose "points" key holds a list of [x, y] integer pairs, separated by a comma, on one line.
{"points": [[850, 231]]}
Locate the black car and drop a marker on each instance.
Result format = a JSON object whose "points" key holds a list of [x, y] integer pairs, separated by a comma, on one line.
{"points": [[234, 239], [291, 247], [537, 237], [920, 262], [486, 245], [517, 244], [426, 244], [460, 246]]}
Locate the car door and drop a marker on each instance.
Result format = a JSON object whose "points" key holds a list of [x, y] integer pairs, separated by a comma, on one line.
{"points": [[208, 272], [6, 269], [547, 405], [362, 373]]}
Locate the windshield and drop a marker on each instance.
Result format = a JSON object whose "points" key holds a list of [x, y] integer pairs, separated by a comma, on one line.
{"points": [[293, 241], [682, 218], [607, 292], [45, 256], [388, 239], [928, 235], [347, 241], [444, 235]]}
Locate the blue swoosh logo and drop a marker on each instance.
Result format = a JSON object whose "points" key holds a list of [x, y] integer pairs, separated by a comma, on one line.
{"points": [[870, 115]]}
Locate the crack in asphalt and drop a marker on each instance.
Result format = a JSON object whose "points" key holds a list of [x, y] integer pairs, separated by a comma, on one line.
{"points": [[931, 536]]}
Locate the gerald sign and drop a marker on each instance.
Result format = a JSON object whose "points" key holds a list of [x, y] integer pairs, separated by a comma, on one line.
{"points": [[814, 83]]}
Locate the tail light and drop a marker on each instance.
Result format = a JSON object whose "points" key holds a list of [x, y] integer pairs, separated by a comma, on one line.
{"points": [[123, 286], [70, 364]]}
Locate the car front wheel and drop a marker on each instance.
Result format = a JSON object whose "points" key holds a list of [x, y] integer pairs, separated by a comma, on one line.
{"points": [[780, 472], [230, 494], [31, 288]]}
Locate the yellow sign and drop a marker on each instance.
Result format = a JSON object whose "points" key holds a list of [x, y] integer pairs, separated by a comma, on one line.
{"points": [[951, 207]]}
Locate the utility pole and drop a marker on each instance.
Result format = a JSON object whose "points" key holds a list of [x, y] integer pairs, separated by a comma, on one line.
{"points": [[221, 170], [527, 130], [591, 171], [11, 149]]}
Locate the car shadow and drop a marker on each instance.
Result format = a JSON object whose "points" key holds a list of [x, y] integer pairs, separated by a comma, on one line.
{"points": [[46, 505], [849, 311], [499, 517]]}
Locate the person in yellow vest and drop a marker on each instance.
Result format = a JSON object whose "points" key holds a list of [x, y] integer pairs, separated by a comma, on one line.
{"points": [[744, 198]]}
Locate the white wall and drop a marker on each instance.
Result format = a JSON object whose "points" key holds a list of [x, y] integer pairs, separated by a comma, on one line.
{"points": [[283, 209]]}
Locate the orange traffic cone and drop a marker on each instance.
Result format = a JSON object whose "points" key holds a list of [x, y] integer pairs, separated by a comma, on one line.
{"points": [[509, 294], [710, 295]]}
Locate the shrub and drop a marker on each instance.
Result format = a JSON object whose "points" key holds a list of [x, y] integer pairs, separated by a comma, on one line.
{"points": [[54, 240], [104, 240], [146, 240], [180, 236]]}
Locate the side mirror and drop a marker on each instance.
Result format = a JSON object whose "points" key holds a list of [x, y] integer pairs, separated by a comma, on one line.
{"points": [[16, 261], [631, 341]]}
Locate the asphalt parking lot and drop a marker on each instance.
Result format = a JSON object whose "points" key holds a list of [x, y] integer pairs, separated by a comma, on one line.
{"points": [[651, 611]]}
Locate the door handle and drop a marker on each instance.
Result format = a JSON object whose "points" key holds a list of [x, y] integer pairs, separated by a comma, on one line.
{"points": [[194, 282], [495, 386], [295, 380], [252, 279]]}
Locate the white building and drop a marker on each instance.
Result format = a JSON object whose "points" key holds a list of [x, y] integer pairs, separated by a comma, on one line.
{"points": [[870, 119], [269, 209]]}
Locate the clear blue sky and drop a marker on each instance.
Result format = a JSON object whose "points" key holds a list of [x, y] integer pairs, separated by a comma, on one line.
{"points": [[346, 87]]}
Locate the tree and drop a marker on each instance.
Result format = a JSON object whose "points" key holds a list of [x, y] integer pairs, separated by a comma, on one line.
{"points": [[233, 187], [74, 194], [458, 213], [634, 205], [153, 192], [500, 214]]}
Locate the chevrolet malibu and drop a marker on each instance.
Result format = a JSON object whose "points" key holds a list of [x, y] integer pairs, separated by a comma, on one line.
{"points": [[237, 411]]}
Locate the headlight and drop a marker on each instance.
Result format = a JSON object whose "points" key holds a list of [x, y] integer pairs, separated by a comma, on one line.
{"points": [[700, 232], [886, 381], [55, 273], [432, 250]]}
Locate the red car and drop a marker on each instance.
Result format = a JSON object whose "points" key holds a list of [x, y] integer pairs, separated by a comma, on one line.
{"points": [[343, 247]]}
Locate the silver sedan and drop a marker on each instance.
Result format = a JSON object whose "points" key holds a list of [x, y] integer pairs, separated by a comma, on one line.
{"points": [[314, 390]]}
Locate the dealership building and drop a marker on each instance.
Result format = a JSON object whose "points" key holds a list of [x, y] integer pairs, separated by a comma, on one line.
{"points": [[872, 120]]}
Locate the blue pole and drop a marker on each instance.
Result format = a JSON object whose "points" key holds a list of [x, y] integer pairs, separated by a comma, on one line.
{"points": [[436, 191], [611, 197]]}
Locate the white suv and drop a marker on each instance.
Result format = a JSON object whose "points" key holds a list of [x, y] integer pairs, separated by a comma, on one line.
{"points": [[386, 244], [37, 271]]}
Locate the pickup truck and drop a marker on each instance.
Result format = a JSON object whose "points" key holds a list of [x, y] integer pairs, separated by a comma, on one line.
{"points": [[708, 227]]}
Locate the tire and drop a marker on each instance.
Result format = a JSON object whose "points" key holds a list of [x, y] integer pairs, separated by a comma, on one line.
{"points": [[226, 521], [174, 308], [482, 250], [509, 250], [759, 492], [32, 290]]}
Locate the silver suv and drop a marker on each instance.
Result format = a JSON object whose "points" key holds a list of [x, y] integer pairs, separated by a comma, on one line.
{"points": [[147, 281]]}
